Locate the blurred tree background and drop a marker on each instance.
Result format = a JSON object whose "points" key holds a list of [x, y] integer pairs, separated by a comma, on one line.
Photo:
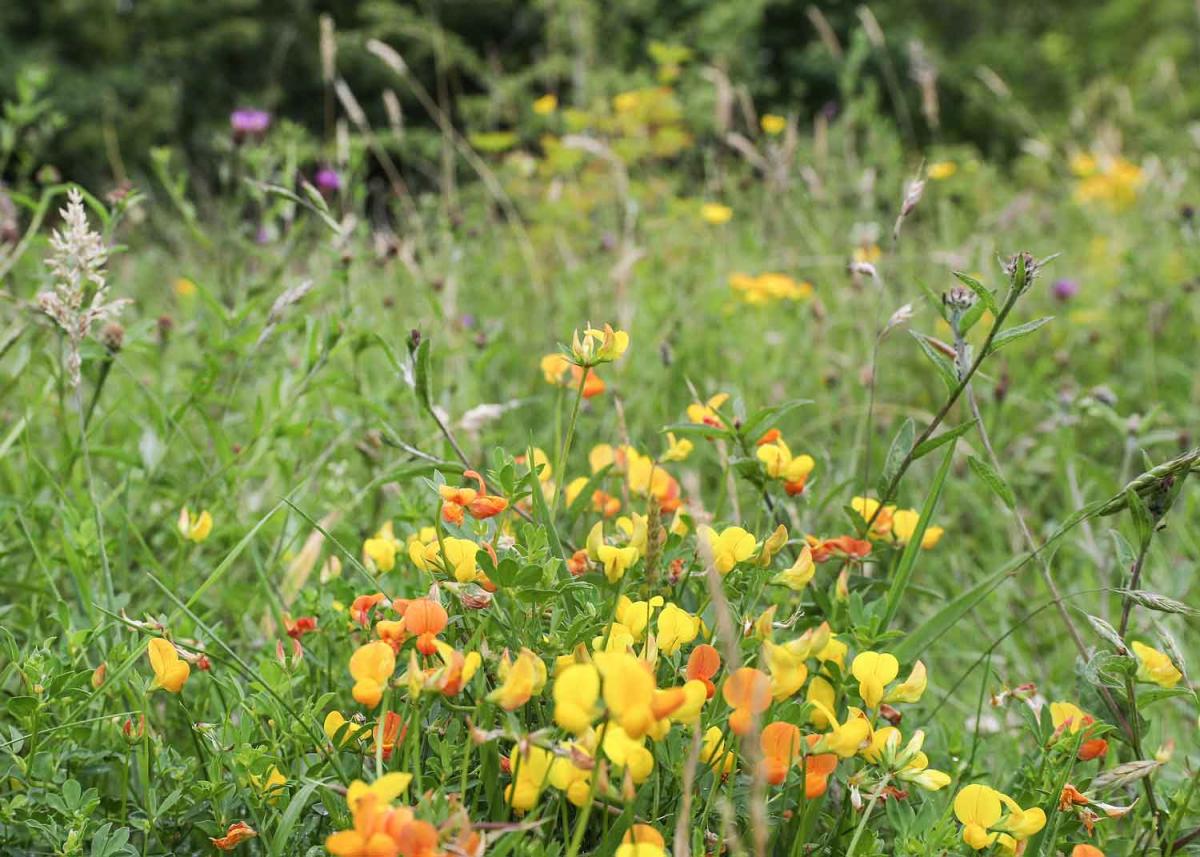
{"points": [[94, 84]]}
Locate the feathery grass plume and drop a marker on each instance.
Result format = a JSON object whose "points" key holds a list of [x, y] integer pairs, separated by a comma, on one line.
{"points": [[77, 260]]}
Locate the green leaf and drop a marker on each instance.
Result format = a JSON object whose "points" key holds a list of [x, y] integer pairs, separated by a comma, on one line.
{"points": [[1143, 524], [290, 816], [541, 512], [421, 374], [945, 437], [1007, 337], [933, 628], [993, 479], [902, 445], [908, 559], [986, 298], [763, 419], [944, 367]]}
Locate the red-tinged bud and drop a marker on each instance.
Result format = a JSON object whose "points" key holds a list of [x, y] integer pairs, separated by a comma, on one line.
{"points": [[505, 765], [203, 663], [133, 730], [890, 714], [99, 674]]}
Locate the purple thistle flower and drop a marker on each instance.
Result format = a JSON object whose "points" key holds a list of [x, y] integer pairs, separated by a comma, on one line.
{"points": [[249, 122], [1064, 290], [327, 180]]}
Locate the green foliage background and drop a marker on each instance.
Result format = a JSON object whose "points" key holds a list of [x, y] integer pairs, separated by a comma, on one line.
{"points": [[130, 74]]}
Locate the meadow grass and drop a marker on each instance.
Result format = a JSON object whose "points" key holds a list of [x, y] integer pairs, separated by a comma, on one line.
{"points": [[320, 388]]}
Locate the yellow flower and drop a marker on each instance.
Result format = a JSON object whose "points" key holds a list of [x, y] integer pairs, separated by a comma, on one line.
{"points": [[382, 547], [459, 561], [977, 807], [546, 105], [1155, 666], [567, 777], [822, 696], [385, 789], [675, 627], [576, 693], [771, 545], [335, 721], [912, 688], [772, 124], [530, 775], [695, 693], [940, 170], [599, 345], [716, 214], [170, 670], [270, 786], [629, 691], [874, 670], [616, 560], [707, 413], [782, 465], [635, 615], [519, 680], [371, 666], [618, 639], [184, 287], [677, 449], [628, 753], [800, 573], [713, 753], [981, 810], [787, 668], [904, 524], [195, 529], [867, 507], [636, 530], [769, 286], [641, 840], [731, 546], [844, 739]]}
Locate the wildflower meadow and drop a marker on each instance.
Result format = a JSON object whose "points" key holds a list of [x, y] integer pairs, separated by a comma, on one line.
{"points": [[577, 436]]}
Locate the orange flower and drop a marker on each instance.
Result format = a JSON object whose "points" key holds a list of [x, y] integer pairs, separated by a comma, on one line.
{"points": [[477, 501], [238, 832], [703, 664], [1096, 748], [392, 632], [361, 607], [780, 744], [846, 547], [817, 768], [1084, 850], [748, 693], [604, 503], [299, 627], [425, 618], [578, 563], [394, 730], [1071, 795]]}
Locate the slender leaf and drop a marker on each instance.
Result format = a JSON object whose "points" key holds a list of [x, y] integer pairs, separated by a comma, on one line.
{"points": [[1007, 337], [945, 437], [993, 480]]}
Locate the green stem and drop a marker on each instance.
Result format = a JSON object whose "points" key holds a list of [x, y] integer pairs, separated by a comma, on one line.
{"points": [[561, 463], [862, 824]]}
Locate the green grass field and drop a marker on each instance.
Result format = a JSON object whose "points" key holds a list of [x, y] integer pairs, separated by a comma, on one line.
{"points": [[1005, 349]]}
